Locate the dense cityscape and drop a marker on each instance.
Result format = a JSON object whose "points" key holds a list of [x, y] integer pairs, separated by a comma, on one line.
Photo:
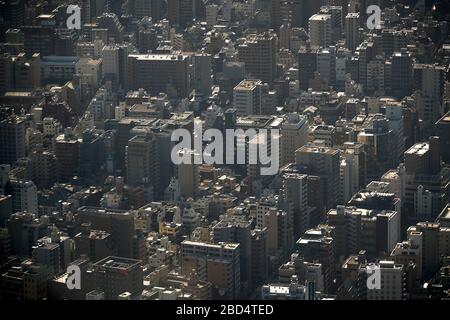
{"points": [[224, 150]]}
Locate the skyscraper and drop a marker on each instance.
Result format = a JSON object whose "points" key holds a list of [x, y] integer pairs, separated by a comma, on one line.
{"points": [[402, 74], [352, 21], [116, 275], [320, 31], [180, 12], [257, 51], [216, 263], [322, 162], [158, 73], [12, 139]]}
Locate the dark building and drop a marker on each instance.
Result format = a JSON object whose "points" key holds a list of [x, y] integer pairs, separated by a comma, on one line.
{"points": [[12, 139], [180, 12], [117, 275]]}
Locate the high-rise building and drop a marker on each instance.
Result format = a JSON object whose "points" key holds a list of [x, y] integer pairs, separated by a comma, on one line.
{"points": [[258, 52], [336, 20], [201, 75], [119, 223], [180, 12], [442, 129], [158, 73], [307, 65], [47, 254], [294, 135], [322, 162], [317, 245], [39, 39], [247, 97], [391, 281], [116, 275], [96, 244], [12, 139], [426, 181], [379, 143], [188, 176], [429, 79], [352, 21], [142, 161], [320, 31], [402, 74], [376, 231], [24, 196], [216, 263], [326, 65], [67, 150], [295, 192], [235, 230]]}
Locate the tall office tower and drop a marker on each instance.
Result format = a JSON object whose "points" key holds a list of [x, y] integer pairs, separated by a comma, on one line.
{"points": [[292, 12], [375, 76], [247, 97], [365, 52], [180, 12], [19, 72], [158, 73], [278, 225], [402, 74], [67, 150], [318, 245], [39, 39], [276, 16], [435, 245], [6, 73], [114, 63], [294, 135], [320, 32], [92, 153], [5, 210], [119, 223], [111, 22], [326, 64], [142, 8], [258, 259], [13, 12], [96, 244], [352, 21], [426, 181], [258, 52], [430, 79], [212, 11], [24, 196], [142, 161], [44, 168], [336, 20], [353, 224], [324, 163], [410, 250], [218, 264], [116, 275], [236, 229], [201, 76], [188, 175], [47, 254], [295, 193], [392, 281], [12, 139], [147, 38], [378, 140], [442, 130], [307, 65], [25, 229]]}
